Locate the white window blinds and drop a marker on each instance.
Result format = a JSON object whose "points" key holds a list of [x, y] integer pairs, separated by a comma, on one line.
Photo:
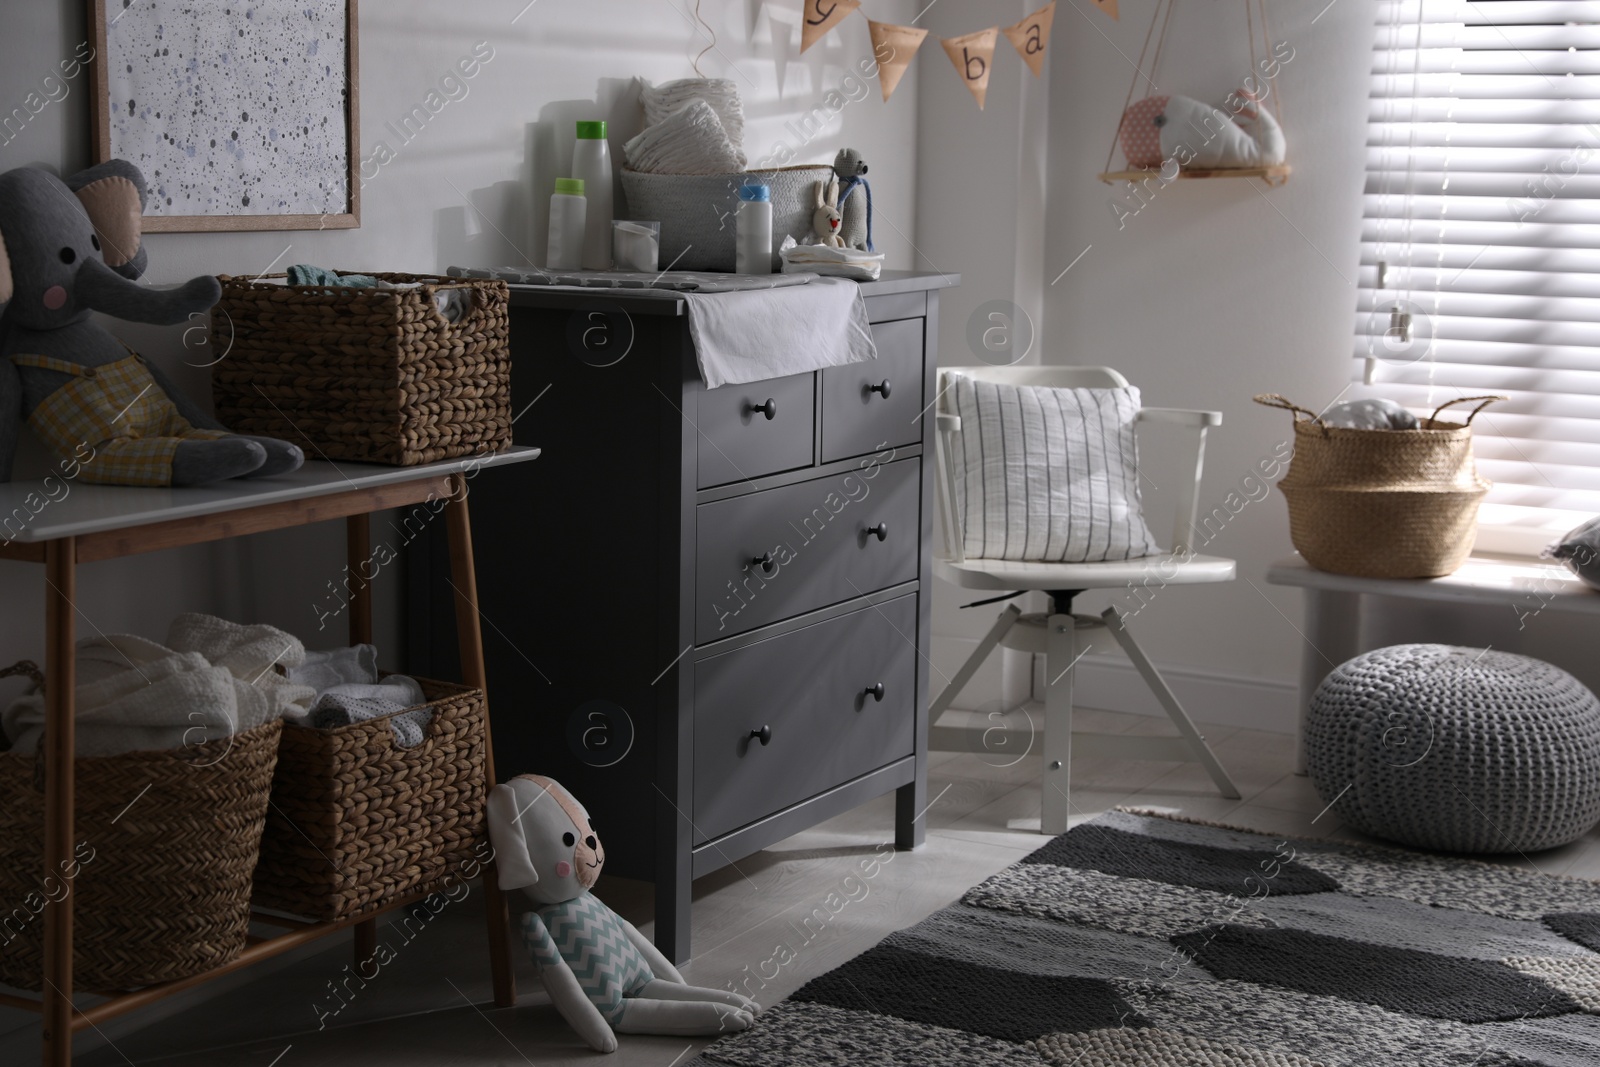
{"points": [[1482, 224]]}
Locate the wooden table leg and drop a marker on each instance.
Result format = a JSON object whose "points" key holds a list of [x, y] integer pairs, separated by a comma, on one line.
{"points": [[1332, 635], [59, 770], [469, 635], [358, 550]]}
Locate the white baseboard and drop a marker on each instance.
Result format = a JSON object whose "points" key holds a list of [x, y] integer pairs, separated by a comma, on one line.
{"points": [[1111, 683], [1208, 696]]}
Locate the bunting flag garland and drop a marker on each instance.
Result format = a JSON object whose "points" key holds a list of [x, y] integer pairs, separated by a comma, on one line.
{"points": [[821, 16], [1108, 6], [894, 47], [1031, 36], [973, 56]]}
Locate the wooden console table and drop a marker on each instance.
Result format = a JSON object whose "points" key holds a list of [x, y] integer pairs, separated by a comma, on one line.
{"points": [[93, 522], [1332, 630], [726, 628]]}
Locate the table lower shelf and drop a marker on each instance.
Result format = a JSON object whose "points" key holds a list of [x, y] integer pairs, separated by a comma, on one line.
{"points": [[298, 932]]}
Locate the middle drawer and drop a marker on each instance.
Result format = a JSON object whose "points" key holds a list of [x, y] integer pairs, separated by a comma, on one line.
{"points": [[783, 552]]}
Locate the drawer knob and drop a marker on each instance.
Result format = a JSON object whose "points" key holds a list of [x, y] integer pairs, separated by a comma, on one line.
{"points": [[769, 409], [881, 388], [875, 692], [764, 735], [764, 561], [880, 531]]}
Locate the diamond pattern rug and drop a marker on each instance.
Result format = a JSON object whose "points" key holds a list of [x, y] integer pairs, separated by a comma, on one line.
{"points": [[1141, 940]]}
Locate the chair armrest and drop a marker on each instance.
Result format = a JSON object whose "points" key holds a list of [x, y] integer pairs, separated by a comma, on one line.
{"points": [[1180, 417], [948, 423]]}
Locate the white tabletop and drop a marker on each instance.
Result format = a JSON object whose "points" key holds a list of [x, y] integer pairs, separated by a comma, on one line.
{"points": [[28, 513], [1480, 580]]}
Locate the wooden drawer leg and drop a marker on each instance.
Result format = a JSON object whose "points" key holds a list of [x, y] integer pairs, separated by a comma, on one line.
{"points": [[60, 744], [469, 635]]}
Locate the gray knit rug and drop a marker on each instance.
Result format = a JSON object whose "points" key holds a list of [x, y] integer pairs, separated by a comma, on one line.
{"points": [[1140, 940]]}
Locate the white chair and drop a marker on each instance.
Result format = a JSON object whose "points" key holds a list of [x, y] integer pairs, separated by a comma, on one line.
{"points": [[1055, 633]]}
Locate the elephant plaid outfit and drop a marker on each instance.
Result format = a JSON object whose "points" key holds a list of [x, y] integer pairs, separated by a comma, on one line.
{"points": [[587, 934], [121, 412]]}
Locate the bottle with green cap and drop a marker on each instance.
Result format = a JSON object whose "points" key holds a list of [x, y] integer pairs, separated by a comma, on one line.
{"points": [[591, 161], [568, 209]]}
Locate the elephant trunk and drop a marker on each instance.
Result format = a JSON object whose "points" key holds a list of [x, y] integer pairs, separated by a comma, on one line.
{"points": [[102, 289]]}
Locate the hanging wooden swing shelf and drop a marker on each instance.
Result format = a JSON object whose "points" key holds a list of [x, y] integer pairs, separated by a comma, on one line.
{"points": [[1276, 174]]}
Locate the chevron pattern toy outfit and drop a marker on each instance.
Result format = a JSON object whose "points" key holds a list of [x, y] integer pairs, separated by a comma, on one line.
{"points": [[601, 973]]}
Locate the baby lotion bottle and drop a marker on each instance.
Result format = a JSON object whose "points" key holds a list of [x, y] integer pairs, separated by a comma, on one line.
{"points": [[567, 212], [753, 231], [591, 164]]}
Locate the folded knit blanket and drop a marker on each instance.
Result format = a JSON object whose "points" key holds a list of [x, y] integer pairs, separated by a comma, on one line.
{"points": [[721, 94], [409, 727], [690, 140]]}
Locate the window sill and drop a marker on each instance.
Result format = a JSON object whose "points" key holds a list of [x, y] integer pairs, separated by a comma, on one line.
{"points": [[1522, 532]]}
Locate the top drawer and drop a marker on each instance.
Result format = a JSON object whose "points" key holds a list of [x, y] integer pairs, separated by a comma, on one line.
{"points": [[746, 431], [874, 405]]}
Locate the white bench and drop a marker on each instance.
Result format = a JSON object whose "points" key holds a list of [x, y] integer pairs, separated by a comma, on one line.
{"points": [[1332, 629]]}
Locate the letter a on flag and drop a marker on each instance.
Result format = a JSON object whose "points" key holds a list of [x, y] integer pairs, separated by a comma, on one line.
{"points": [[821, 16], [973, 56], [1031, 36]]}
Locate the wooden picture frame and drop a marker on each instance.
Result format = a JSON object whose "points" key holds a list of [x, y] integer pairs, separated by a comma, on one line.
{"points": [[345, 214]]}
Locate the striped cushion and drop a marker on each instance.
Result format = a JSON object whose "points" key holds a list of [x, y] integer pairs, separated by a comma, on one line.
{"points": [[1048, 475]]}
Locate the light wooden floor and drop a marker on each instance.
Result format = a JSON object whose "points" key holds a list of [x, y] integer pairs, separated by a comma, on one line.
{"points": [[423, 1009]]}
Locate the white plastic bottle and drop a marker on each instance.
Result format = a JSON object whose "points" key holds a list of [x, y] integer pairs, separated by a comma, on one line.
{"points": [[752, 240], [568, 209], [591, 163]]}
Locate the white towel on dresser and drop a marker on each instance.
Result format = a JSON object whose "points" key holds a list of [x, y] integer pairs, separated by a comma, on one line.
{"points": [[769, 333]]}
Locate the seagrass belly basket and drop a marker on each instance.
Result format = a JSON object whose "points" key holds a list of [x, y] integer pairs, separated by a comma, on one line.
{"points": [[1383, 503]]}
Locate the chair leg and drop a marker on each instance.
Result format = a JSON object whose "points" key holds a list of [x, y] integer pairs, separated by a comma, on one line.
{"points": [[1060, 664], [1002, 626], [1179, 717]]}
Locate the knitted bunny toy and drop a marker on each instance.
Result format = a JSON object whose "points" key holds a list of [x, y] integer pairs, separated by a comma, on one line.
{"points": [[603, 975], [825, 216]]}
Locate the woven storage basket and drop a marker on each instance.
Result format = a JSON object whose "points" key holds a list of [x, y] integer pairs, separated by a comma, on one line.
{"points": [[696, 211], [357, 821], [160, 885], [1383, 503], [371, 375]]}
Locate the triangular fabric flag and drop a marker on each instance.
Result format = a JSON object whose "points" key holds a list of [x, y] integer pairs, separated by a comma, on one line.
{"points": [[973, 56], [1108, 6], [894, 47], [820, 17], [1031, 36]]}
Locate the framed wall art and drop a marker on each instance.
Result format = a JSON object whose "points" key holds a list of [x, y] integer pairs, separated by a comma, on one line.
{"points": [[242, 115]]}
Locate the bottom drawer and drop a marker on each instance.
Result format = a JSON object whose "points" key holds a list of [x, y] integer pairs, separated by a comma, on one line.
{"points": [[815, 691]]}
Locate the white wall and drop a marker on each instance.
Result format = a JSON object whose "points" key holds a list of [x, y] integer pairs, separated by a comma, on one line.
{"points": [[459, 192], [1211, 293]]}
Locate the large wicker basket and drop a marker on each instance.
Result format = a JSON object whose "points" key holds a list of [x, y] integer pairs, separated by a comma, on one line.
{"points": [[697, 211], [160, 877], [1383, 503], [371, 375], [357, 821]]}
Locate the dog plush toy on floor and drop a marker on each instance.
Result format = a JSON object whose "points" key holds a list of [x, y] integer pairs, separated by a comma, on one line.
{"points": [[604, 976]]}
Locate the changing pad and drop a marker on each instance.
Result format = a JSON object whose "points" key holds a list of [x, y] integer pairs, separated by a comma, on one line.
{"points": [[686, 281]]}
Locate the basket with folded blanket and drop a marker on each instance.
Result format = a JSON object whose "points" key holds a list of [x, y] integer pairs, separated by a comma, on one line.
{"points": [[402, 369], [379, 791], [176, 746]]}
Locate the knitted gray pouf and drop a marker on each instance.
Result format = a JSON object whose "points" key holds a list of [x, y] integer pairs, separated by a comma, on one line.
{"points": [[1457, 749]]}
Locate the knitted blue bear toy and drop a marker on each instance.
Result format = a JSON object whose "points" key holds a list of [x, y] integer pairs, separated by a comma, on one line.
{"points": [[604, 976]]}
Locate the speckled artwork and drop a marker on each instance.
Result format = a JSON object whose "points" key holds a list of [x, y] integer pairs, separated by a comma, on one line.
{"points": [[231, 107]]}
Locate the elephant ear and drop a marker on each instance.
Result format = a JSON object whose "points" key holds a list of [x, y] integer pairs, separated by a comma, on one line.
{"points": [[114, 195], [5, 273]]}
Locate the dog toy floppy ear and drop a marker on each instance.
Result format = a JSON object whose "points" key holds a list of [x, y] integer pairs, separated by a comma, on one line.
{"points": [[603, 976]]}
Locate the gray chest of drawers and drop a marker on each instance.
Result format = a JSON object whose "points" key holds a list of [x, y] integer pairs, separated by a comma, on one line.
{"points": [[706, 611]]}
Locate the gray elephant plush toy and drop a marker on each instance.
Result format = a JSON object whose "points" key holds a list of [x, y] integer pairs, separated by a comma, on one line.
{"points": [[855, 200], [69, 248]]}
